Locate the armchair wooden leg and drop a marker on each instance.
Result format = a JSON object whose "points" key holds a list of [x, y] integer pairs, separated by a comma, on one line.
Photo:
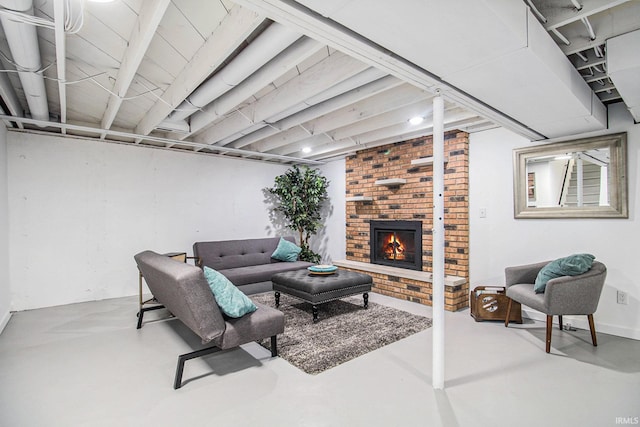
{"points": [[592, 327], [506, 319], [549, 327], [560, 322]]}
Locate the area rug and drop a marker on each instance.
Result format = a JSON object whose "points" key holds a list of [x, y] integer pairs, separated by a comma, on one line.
{"points": [[344, 331]]}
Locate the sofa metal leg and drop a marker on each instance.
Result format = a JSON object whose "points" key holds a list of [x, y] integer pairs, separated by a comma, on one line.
{"points": [[274, 346], [508, 315], [277, 296], [177, 383], [549, 327], [592, 327], [143, 310]]}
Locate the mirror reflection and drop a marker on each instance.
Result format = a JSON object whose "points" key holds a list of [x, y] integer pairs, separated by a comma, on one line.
{"points": [[571, 179]]}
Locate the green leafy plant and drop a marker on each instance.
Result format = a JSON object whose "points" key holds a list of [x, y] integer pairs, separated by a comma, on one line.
{"points": [[300, 193]]}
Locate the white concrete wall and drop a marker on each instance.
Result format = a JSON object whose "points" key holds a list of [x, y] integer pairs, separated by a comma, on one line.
{"points": [[5, 292], [79, 210], [499, 240], [330, 241]]}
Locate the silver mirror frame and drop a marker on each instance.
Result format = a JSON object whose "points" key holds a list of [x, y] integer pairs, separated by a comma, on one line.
{"points": [[618, 207]]}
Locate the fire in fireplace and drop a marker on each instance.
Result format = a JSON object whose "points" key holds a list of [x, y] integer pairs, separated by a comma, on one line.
{"points": [[396, 243]]}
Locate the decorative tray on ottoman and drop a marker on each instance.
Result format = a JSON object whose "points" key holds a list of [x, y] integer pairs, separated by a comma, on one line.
{"points": [[322, 269]]}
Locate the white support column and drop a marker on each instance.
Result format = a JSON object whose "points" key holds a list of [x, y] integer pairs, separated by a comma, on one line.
{"points": [[438, 243]]}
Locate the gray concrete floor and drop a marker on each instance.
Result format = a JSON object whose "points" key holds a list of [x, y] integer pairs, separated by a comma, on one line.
{"points": [[86, 365]]}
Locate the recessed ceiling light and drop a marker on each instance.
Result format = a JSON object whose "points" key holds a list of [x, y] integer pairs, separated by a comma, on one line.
{"points": [[306, 150], [416, 120]]}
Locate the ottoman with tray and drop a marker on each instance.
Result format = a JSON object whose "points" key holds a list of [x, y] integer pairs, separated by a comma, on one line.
{"points": [[321, 286]]}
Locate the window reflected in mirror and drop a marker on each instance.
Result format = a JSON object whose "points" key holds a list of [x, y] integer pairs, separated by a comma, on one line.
{"points": [[580, 178]]}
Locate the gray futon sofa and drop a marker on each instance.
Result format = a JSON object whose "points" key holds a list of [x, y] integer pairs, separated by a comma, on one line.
{"points": [[246, 263], [184, 291]]}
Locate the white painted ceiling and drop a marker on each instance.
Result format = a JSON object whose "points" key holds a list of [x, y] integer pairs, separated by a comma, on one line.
{"points": [[307, 81]]}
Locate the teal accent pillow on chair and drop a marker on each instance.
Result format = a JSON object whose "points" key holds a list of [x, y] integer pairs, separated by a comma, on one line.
{"points": [[231, 300], [286, 251], [567, 266]]}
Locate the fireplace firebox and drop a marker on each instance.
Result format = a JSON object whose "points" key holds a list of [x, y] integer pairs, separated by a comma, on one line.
{"points": [[396, 244]]}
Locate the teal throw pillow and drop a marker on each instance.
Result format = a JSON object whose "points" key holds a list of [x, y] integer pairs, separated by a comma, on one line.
{"points": [[568, 266], [230, 299], [286, 251]]}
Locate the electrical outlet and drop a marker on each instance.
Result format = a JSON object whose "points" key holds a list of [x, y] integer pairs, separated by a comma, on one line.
{"points": [[623, 297], [483, 212]]}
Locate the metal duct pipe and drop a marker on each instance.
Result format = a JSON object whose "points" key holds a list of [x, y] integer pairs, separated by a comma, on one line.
{"points": [[271, 42], [9, 96], [23, 43], [275, 68]]}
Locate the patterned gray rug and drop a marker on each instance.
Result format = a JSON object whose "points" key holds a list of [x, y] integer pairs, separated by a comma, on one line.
{"points": [[344, 331]]}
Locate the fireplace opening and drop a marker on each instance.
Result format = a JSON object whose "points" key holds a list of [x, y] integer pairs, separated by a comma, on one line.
{"points": [[396, 244]]}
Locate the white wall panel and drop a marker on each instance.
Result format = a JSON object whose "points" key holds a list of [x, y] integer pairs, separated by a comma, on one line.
{"points": [[5, 290], [79, 210], [330, 241], [499, 240]]}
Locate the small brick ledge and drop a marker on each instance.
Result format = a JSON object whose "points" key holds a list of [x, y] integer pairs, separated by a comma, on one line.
{"points": [[421, 276], [411, 285]]}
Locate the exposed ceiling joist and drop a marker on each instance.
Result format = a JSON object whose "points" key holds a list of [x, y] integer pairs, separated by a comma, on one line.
{"points": [[559, 16], [335, 68], [341, 38], [147, 23], [232, 31], [318, 110], [275, 78]]}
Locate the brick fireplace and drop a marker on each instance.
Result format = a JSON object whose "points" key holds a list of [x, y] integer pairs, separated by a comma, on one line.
{"points": [[393, 183]]}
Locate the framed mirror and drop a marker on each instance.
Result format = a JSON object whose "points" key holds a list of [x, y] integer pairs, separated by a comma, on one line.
{"points": [[583, 178]]}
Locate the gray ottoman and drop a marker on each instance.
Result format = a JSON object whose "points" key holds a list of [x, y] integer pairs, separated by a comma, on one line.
{"points": [[318, 289]]}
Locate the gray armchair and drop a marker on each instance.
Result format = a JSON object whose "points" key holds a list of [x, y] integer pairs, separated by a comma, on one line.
{"points": [[566, 295]]}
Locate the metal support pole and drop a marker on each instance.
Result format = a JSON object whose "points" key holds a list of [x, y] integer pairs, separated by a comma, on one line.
{"points": [[438, 243]]}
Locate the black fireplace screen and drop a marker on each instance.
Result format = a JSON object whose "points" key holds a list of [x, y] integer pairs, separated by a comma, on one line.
{"points": [[397, 243]]}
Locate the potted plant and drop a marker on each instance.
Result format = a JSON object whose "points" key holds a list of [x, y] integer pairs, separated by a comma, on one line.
{"points": [[299, 194]]}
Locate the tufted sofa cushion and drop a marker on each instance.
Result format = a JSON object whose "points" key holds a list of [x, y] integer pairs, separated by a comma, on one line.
{"points": [[245, 262]]}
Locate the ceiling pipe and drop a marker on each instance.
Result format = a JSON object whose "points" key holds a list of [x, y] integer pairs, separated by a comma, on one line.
{"points": [[273, 124], [360, 79], [587, 23], [8, 95], [366, 116], [270, 43], [562, 38], [23, 44], [291, 57], [536, 12], [318, 110]]}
